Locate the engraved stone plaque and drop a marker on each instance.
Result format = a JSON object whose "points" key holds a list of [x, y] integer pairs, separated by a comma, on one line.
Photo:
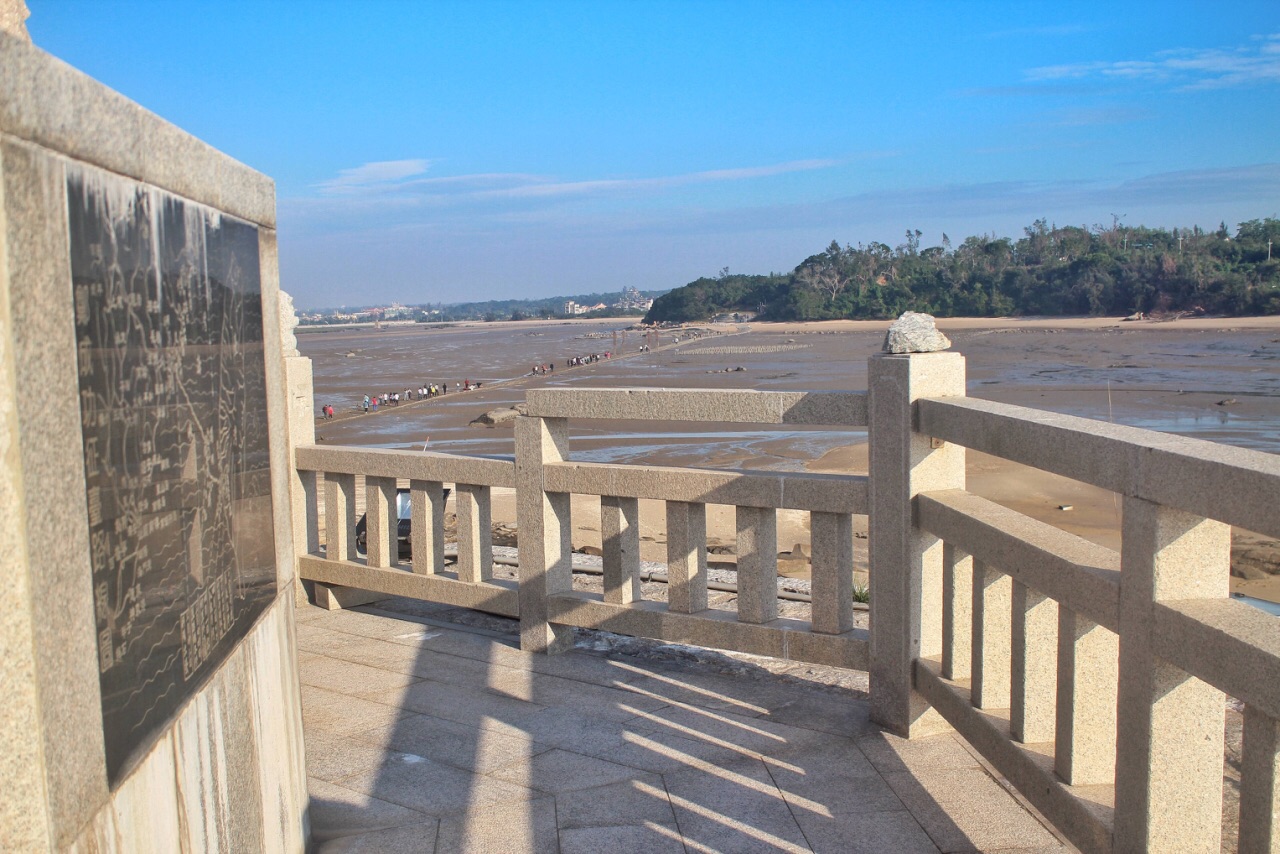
{"points": [[168, 324]]}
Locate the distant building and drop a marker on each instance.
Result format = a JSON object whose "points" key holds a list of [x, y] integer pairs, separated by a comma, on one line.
{"points": [[633, 299]]}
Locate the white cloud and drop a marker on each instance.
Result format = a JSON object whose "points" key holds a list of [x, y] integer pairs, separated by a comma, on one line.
{"points": [[1185, 68], [373, 175], [397, 183], [578, 188]]}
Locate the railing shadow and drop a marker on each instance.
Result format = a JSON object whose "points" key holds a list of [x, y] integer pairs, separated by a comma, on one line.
{"points": [[645, 747]]}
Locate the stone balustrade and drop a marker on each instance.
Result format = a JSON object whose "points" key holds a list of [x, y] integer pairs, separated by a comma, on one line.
{"points": [[1094, 680]]}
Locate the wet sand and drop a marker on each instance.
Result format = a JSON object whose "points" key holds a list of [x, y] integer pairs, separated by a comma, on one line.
{"points": [[1166, 376]]}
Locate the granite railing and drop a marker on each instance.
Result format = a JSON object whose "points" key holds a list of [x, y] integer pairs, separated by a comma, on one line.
{"points": [[1093, 680]]}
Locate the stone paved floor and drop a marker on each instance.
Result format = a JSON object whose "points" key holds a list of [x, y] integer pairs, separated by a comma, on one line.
{"points": [[429, 737]]}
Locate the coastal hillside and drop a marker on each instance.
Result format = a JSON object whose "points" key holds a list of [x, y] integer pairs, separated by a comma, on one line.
{"points": [[1050, 270]]}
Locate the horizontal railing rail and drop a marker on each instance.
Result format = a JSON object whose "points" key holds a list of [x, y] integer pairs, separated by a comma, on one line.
{"points": [[743, 488], [835, 408], [411, 465], [1206, 478]]}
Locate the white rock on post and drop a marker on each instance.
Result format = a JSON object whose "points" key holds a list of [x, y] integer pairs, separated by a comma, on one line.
{"points": [[914, 332]]}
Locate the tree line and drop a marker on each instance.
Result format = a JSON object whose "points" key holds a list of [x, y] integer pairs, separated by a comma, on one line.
{"points": [[1050, 270]]}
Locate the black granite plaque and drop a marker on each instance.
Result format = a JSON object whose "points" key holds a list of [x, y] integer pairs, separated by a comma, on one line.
{"points": [[168, 319]]}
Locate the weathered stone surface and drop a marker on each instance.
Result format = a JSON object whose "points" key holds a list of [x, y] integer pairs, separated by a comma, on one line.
{"points": [[13, 18], [288, 323], [914, 332]]}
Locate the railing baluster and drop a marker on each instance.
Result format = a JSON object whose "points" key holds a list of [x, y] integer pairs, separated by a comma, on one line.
{"points": [[757, 564], [1085, 724], [686, 557], [475, 533], [426, 502], [1260, 784], [340, 516], [620, 541], [1033, 671], [831, 563], [957, 612], [380, 521], [992, 605], [1170, 740]]}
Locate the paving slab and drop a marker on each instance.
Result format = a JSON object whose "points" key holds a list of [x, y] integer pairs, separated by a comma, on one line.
{"points": [[965, 809], [628, 803], [733, 807], [433, 788], [482, 751], [337, 811], [652, 839], [332, 711], [505, 827], [410, 839], [561, 771]]}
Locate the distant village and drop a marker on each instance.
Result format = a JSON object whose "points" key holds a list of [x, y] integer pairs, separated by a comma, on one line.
{"points": [[629, 301]]}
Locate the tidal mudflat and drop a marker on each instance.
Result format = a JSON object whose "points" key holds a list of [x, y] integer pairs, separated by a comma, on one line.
{"points": [[1215, 379]]}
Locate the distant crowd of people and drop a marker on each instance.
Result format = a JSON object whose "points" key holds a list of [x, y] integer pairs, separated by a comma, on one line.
{"points": [[371, 403], [575, 361]]}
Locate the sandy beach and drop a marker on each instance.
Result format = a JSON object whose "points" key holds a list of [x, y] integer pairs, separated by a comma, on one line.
{"points": [[1211, 378]]}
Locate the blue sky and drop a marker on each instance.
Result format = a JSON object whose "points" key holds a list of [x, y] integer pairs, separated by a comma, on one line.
{"points": [[458, 151]]}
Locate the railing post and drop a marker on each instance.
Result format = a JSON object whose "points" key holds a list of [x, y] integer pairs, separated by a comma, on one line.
{"points": [[906, 562], [992, 638], [757, 564], [475, 533], [832, 572], [1085, 726], [1260, 784], [957, 612], [382, 548], [340, 516], [1170, 724], [620, 545], [1034, 672], [426, 503], [686, 557], [544, 526], [304, 497]]}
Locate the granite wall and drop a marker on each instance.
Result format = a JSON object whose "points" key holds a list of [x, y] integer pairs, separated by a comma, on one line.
{"points": [[147, 543]]}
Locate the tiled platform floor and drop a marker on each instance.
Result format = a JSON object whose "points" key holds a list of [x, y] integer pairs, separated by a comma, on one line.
{"points": [[427, 737]]}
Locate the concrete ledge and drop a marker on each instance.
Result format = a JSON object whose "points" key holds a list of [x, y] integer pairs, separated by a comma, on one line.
{"points": [[495, 597], [1232, 646], [781, 638], [48, 103], [827, 493], [1083, 576], [1232, 485], [1029, 772], [413, 465], [846, 408]]}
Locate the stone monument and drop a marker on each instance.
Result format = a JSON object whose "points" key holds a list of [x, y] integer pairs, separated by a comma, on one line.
{"points": [[147, 539]]}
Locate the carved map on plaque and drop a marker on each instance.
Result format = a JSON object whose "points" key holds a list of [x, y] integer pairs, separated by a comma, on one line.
{"points": [[168, 323]]}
